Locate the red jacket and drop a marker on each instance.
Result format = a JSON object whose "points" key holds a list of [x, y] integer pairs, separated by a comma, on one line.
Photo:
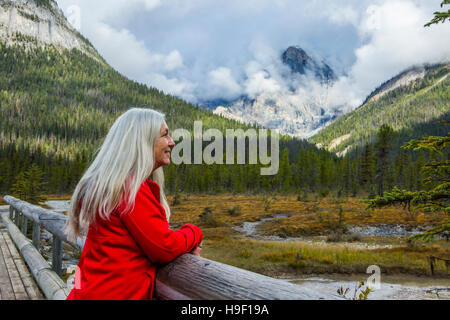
{"points": [[120, 256]]}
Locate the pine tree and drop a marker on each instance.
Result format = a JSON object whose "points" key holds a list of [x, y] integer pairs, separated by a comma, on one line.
{"points": [[383, 146], [401, 168], [285, 171], [30, 185], [440, 16], [437, 178], [367, 167]]}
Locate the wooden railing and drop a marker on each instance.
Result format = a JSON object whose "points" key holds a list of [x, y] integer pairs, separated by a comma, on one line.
{"points": [[187, 277]]}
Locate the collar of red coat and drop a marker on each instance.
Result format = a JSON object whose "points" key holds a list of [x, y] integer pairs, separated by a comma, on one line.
{"points": [[154, 187]]}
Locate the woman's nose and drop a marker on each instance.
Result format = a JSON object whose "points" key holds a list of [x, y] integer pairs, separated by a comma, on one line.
{"points": [[171, 142]]}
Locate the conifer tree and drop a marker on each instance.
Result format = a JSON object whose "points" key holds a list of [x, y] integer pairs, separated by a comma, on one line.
{"points": [[285, 171], [437, 179], [367, 167], [383, 146], [30, 185], [440, 16]]}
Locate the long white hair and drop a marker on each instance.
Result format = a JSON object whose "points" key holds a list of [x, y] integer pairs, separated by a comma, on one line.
{"points": [[123, 163]]}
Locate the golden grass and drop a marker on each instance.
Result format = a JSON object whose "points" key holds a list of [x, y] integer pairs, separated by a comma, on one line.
{"points": [[305, 218], [274, 258]]}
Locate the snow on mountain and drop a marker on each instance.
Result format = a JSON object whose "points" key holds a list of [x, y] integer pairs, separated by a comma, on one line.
{"points": [[301, 110]]}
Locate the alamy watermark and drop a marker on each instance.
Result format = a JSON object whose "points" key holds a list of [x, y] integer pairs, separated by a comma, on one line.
{"points": [[374, 281], [213, 153]]}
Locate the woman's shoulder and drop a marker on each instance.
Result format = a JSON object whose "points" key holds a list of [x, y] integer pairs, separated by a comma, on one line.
{"points": [[149, 186], [148, 196]]}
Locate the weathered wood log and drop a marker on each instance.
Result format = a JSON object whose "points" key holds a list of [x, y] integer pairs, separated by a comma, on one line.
{"points": [[51, 221], [192, 277], [50, 283]]}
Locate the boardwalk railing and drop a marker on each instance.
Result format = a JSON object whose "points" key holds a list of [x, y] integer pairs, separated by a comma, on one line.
{"points": [[186, 278]]}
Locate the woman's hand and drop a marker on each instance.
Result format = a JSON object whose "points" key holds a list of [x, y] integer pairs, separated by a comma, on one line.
{"points": [[197, 251]]}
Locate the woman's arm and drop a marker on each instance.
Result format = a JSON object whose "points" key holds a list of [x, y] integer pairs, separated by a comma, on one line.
{"points": [[149, 227]]}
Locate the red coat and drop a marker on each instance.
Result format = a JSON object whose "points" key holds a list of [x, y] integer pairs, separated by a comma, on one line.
{"points": [[120, 256]]}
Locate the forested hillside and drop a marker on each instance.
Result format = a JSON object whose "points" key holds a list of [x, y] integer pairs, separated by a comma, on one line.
{"points": [[410, 110]]}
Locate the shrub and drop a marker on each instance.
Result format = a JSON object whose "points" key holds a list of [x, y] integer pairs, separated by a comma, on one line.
{"points": [[208, 219], [176, 200], [234, 211], [245, 253]]}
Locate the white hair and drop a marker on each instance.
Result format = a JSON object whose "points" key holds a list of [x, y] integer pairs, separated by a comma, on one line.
{"points": [[123, 163]]}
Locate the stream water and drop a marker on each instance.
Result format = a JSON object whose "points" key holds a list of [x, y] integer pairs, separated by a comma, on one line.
{"points": [[392, 287]]}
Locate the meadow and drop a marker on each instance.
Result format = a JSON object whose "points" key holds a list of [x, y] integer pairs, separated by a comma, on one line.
{"points": [[313, 234], [323, 243]]}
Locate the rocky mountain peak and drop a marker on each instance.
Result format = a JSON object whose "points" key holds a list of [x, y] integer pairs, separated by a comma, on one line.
{"points": [[300, 62], [34, 23], [297, 59]]}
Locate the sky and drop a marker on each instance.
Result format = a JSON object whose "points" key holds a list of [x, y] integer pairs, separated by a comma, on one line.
{"points": [[203, 50]]}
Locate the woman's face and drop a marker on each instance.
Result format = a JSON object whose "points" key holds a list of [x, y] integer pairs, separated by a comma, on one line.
{"points": [[163, 146]]}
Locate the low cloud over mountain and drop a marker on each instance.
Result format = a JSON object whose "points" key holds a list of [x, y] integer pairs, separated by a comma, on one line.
{"points": [[227, 49]]}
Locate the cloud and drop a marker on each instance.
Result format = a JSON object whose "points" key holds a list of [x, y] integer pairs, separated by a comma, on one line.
{"points": [[397, 40], [134, 56], [343, 15], [205, 50], [226, 85], [174, 86]]}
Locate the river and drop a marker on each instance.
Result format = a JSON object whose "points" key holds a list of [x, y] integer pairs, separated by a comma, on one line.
{"points": [[392, 287]]}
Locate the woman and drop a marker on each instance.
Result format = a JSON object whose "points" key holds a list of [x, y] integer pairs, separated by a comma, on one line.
{"points": [[120, 202]]}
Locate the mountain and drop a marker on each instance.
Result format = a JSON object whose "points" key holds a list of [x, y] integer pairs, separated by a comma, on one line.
{"points": [[299, 62], [410, 103], [40, 22], [300, 108]]}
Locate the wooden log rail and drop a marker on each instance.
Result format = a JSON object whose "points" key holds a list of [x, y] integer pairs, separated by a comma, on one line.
{"points": [[186, 278]]}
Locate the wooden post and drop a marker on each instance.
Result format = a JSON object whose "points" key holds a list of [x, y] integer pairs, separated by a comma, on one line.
{"points": [[57, 255], [24, 225], [17, 218], [11, 213], [36, 235], [432, 265]]}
